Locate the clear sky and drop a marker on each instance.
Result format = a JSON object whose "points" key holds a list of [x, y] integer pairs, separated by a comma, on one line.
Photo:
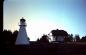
{"points": [[42, 16]]}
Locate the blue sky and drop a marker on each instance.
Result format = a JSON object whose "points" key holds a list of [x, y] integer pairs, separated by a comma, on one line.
{"points": [[42, 16]]}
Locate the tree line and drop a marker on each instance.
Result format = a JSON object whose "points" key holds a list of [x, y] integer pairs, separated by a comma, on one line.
{"points": [[9, 38]]}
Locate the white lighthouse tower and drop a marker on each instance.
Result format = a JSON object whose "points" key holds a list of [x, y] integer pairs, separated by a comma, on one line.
{"points": [[22, 38]]}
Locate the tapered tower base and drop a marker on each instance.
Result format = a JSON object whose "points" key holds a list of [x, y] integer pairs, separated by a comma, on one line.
{"points": [[22, 38]]}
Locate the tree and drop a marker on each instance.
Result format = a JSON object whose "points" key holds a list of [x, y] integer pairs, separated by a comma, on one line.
{"points": [[6, 39], [44, 39], [14, 36], [54, 34], [69, 38], [38, 40], [83, 39], [77, 38]]}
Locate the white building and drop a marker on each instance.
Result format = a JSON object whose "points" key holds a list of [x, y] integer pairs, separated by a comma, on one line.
{"points": [[59, 35], [22, 38], [60, 38]]}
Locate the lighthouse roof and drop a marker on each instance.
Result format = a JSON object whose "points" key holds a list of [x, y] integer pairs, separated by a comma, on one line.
{"points": [[22, 19]]}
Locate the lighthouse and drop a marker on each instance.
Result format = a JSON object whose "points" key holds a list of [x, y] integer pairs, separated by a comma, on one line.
{"points": [[22, 38]]}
